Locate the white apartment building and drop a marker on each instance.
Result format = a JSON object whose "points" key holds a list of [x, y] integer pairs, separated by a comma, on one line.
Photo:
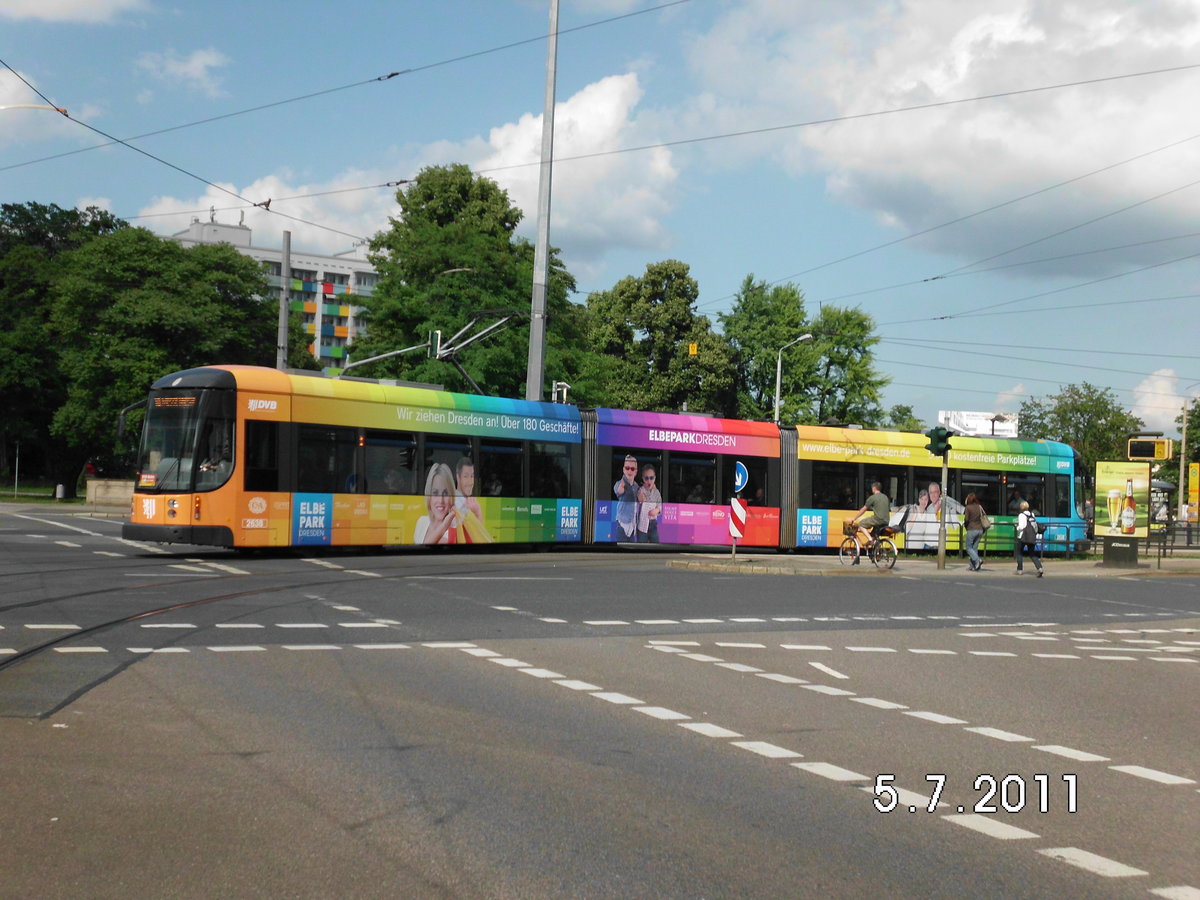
{"points": [[323, 288]]}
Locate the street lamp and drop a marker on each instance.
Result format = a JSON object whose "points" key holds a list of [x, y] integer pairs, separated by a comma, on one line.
{"points": [[779, 368]]}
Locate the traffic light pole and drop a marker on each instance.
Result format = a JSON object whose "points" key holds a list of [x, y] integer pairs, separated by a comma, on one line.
{"points": [[941, 559]]}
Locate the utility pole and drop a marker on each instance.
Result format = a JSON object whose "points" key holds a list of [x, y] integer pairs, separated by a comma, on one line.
{"points": [[541, 253], [285, 292]]}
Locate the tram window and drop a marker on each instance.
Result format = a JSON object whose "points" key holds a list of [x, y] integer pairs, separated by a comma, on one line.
{"points": [[987, 490], [262, 456], [391, 459], [550, 468], [445, 449], [1031, 488], [893, 482], [834, 485], [755, 491], [326, 459], [691, 478], [499, 471], [1062, 496]]}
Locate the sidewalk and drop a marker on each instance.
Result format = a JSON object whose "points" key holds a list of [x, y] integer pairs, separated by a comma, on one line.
{"points": [[758, 563]]}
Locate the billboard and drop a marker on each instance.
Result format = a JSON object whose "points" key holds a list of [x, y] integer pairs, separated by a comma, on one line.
{"points": [[1122, 499], [979, 424]]}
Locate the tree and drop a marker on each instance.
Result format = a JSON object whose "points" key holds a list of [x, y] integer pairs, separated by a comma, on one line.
{"points": [[848, 389], [33, 236], [129, 307], [763, 320], [644, 328], [1084, 416], [451, 254], [901, 418]]}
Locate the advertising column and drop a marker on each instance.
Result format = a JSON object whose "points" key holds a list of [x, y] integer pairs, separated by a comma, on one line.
{"points": [[1122, 510]]}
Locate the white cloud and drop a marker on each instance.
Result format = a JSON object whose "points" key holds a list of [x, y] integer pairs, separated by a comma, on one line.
{"points": [[1011, 399], [608, 202], [82, 11], [1158, 399], [767, 63], [195, 72]]}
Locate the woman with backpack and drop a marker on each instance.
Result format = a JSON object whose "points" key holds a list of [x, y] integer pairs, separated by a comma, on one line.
{"points": [[1027, 535]]}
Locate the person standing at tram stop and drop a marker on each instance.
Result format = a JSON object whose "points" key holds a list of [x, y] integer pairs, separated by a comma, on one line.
{"points": [[973, 513], [874, 513], [1026, 526], [649, 506], [626, 492]]}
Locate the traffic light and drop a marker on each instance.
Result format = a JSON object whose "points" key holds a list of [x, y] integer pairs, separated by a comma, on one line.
{"points": [[939, 441], [1150, 449], [435, 344]]}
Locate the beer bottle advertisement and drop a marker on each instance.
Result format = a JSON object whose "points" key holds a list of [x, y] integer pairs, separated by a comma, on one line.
{"points": [[1122, 499]]}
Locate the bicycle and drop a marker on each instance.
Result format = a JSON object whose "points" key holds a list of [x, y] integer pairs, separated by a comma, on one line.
{"points": [[881, 551]]}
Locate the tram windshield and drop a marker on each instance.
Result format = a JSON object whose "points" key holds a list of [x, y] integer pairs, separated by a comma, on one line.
{"points": [[187, 440]]}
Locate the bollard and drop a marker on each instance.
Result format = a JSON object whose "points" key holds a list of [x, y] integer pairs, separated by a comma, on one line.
{"points": [[60, 491]]}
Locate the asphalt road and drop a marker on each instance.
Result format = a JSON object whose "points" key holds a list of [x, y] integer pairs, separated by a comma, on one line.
{"points": [[192, 723]]}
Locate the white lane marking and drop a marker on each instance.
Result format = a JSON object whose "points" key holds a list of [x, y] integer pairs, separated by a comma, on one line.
{"points": [[1071, 753], [242, 648], [301, 625], [703, 621], [52, 627], [488, 578], [941, 652], [361, 625], [666, 649], [311, 646], [164, 649], [830, 771], [363, 573], [7, 651], [828, 671], [708, 729], [804, 647], [1000, 735], [509, 663], [554, 621], [989, 826], [108, 553], [879, 704], [542, 673], [771, 751], [990, 653], [168, 625], [204, 574], [320, 562], [1057, 655], [936, 718], [383, 646], [29, 518], [185, 568], [1153, 775], [68, 544], [605, 622], [576, 685], [80, 650], [826, 689], [660, 712], [675, 643], [238, 625], [1114, 658], [1097, 865], [480, 651], [657, 621], [1173, 659], [745, 619], [445, 645], [341, 607], [738, 667], [621, 699], [702, 657], [871, 649], [1179, 892], [221, 567], [505, 608], [782, 679], [738, 644]]}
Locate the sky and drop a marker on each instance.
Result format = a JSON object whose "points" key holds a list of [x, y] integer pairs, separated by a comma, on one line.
{"points": [[1009, 189]]}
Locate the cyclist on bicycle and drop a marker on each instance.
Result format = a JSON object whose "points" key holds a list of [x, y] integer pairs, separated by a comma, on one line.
{"points": [[872, 516]]}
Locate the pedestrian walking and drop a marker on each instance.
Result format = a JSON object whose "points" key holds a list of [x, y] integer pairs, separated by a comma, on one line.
{"points": [[1027, 535], [975, 522]]}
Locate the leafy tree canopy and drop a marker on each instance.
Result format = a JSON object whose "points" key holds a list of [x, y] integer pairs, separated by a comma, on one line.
{"points": [[1082, 415], [645, 328], [449, 257]]}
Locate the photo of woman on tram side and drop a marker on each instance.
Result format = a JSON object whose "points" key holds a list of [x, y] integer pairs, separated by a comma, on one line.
{"points": [[438, 526], [649, 506]]}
